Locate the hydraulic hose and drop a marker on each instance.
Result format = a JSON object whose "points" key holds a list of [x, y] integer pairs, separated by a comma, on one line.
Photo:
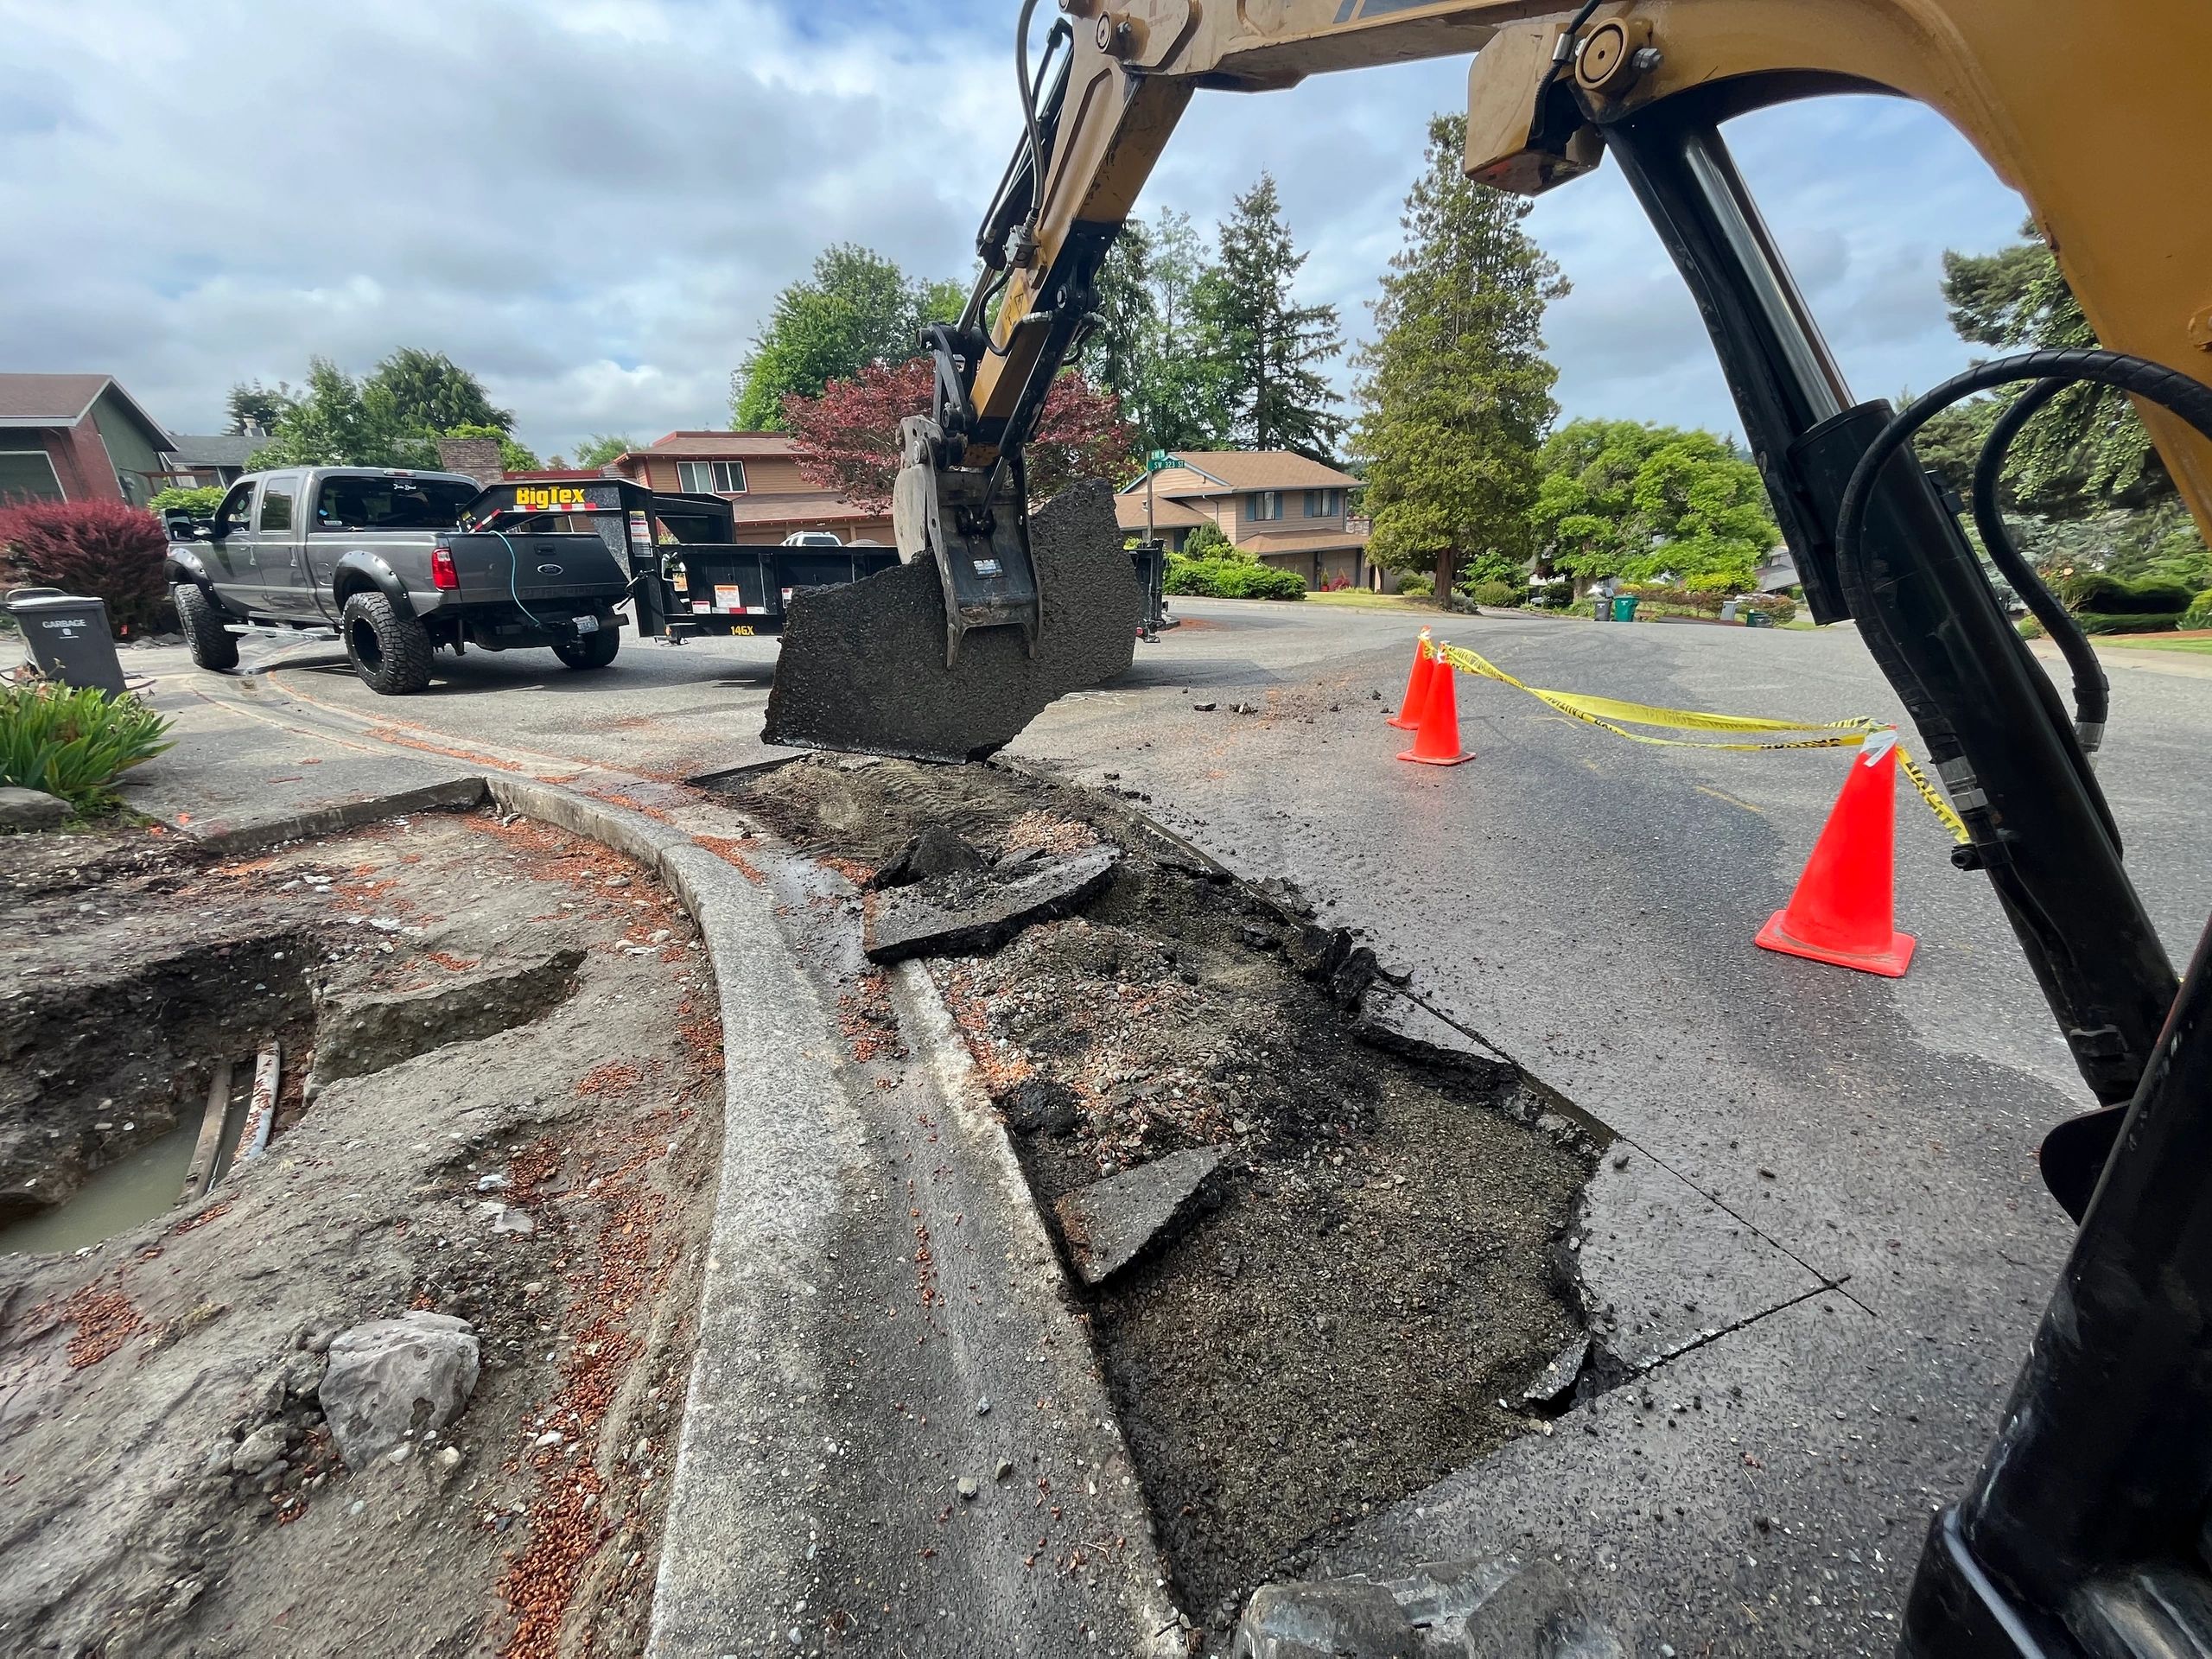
{"points": [[2092, 691]]}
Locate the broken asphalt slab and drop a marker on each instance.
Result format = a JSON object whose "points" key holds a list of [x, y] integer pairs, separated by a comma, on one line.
{"points": [[359, 1034], [1109, 1224], [977, 911]]}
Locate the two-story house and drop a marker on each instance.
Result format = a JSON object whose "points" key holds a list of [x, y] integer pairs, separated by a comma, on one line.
{"points": [[758, 473], [1281, 508], [78, 437]]}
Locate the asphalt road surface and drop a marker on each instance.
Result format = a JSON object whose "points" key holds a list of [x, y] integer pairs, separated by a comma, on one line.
{"points": [[1588, 905]]}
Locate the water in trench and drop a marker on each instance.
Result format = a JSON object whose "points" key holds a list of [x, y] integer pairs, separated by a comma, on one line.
{"points": [[142, 1184]]}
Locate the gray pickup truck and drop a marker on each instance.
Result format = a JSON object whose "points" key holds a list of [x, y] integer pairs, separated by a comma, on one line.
{"points": [[387, 559]]}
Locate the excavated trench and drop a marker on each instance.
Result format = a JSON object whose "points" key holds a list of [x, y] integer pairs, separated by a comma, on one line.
{"points": [[104, 1082], [1357, 1299]]}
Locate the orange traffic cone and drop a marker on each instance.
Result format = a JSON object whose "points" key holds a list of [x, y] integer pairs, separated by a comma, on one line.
{"points": [[1407, 719], [1844, 909], [1436, 741]]}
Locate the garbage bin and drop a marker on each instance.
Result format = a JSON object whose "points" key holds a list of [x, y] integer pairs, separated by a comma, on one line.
{"points": [[1728, 608], [1623, 607], [1601, 607], [68, 636], [1758, 619]]}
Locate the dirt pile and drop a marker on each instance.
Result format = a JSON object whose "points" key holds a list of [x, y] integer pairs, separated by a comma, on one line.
{"points": [[1378, 1274], [172, 1483]]}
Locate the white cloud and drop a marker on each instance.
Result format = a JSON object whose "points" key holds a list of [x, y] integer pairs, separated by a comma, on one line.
{"points": [[593, 202]]}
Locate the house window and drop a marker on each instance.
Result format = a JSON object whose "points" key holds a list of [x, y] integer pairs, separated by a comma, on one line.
{"points": [[710, 476], [1267, 504], [1324, 504], [27, 472]]}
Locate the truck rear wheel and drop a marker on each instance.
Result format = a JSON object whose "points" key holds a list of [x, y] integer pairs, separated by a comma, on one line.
{"points": [[200, 618], [593, 651], [388, 646]]}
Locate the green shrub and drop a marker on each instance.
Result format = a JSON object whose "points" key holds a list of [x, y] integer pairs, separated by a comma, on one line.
{"points": [[1207, 543], [1232, 579], [1418, 585], [2123, 622], [194, 504], [1780, 607], [2094, 592], [2155, 597], [74, 744], [2029, 628], [1499, 595], [1723, 582], [1553, 595], [2199, 614], [1686, 598]]}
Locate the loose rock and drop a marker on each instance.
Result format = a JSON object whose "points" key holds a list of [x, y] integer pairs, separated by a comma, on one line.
{"points": [[383, 1372]]}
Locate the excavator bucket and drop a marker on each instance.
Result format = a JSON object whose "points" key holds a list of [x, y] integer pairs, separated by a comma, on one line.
{"points": [[909, 662]]}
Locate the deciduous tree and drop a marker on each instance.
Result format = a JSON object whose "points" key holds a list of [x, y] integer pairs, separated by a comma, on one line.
{"points": [[1625, 498], [603, 448], [856, 308], [418, 392], [848, 438]]}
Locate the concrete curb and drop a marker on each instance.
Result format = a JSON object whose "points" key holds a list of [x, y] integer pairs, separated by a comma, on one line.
{"points": [[454, 794], [1156, 1625]]}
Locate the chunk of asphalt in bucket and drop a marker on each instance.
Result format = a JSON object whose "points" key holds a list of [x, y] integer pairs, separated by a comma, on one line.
{"points": [[863, 666]]}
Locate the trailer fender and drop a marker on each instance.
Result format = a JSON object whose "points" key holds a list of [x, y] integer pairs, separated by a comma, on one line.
{"points": [[360, 570]]}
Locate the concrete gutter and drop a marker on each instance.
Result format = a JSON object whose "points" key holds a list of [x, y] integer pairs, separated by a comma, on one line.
{"points": [[834, 1430]]}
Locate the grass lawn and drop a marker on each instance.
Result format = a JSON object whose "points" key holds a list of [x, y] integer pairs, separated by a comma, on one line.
{"points": [[2152, 642], [1358, 599]]}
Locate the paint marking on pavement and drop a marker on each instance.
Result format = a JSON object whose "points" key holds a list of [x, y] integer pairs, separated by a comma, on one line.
{"points": [[1722, 795]]}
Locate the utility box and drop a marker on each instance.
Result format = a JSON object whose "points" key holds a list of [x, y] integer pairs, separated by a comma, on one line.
{"points": [[69, 638]]}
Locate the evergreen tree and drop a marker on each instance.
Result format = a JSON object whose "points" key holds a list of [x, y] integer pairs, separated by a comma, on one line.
{"points": [[1456, 390], [856, 308], [1266, 345], [1116, 355]]}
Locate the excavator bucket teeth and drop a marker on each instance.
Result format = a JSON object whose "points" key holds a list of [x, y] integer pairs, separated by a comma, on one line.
{"points": [[863, 666]]}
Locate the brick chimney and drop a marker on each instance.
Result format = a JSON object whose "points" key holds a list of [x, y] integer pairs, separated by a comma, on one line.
{"points": [[478, 457]]}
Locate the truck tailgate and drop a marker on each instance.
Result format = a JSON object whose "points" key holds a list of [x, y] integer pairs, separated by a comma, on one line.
{"points": [[533, 568]]}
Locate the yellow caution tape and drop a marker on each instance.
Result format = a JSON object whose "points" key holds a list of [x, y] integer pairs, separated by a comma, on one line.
{"points": [[1615, 716]]}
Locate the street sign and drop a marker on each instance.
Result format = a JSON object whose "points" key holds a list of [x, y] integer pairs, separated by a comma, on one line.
{"points": [[1160, 460]]}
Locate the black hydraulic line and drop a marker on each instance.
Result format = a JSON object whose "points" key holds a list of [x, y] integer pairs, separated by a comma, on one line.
{"points": [[2139, 377], [2092, 691]]}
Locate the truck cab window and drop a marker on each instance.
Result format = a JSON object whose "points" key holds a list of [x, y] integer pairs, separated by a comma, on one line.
{"points": [[235, 512], [277, 505], [391, 503]]}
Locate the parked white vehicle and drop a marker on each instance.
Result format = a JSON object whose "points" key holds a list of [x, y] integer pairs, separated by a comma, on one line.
{"points": [[811, 538]]}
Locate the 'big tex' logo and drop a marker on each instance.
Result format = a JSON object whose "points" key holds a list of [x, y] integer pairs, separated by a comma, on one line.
{"points": [[543, 496]]}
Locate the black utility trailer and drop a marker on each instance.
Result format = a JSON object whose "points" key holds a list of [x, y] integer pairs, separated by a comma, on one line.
{"points": [[688, 573]]}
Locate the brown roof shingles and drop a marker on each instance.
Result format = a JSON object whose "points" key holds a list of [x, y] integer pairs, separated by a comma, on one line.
{"points": [[1239, 470], [48, 399]]}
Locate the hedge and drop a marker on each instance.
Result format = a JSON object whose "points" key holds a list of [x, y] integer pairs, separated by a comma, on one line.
{"points": [[2094, 592], [1232, 579], [1780, 607], [2199, 614], [2123, 622]]}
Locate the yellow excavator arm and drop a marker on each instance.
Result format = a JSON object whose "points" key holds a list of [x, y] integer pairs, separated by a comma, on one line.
{"points": [[2098, 111]]}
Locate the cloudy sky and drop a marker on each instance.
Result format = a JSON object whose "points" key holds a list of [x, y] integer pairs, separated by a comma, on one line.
{"points": [[593, 202]]}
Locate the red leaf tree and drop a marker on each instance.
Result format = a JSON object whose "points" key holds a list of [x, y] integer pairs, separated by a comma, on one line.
{"points": [[106, 549], [848, 438]]}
